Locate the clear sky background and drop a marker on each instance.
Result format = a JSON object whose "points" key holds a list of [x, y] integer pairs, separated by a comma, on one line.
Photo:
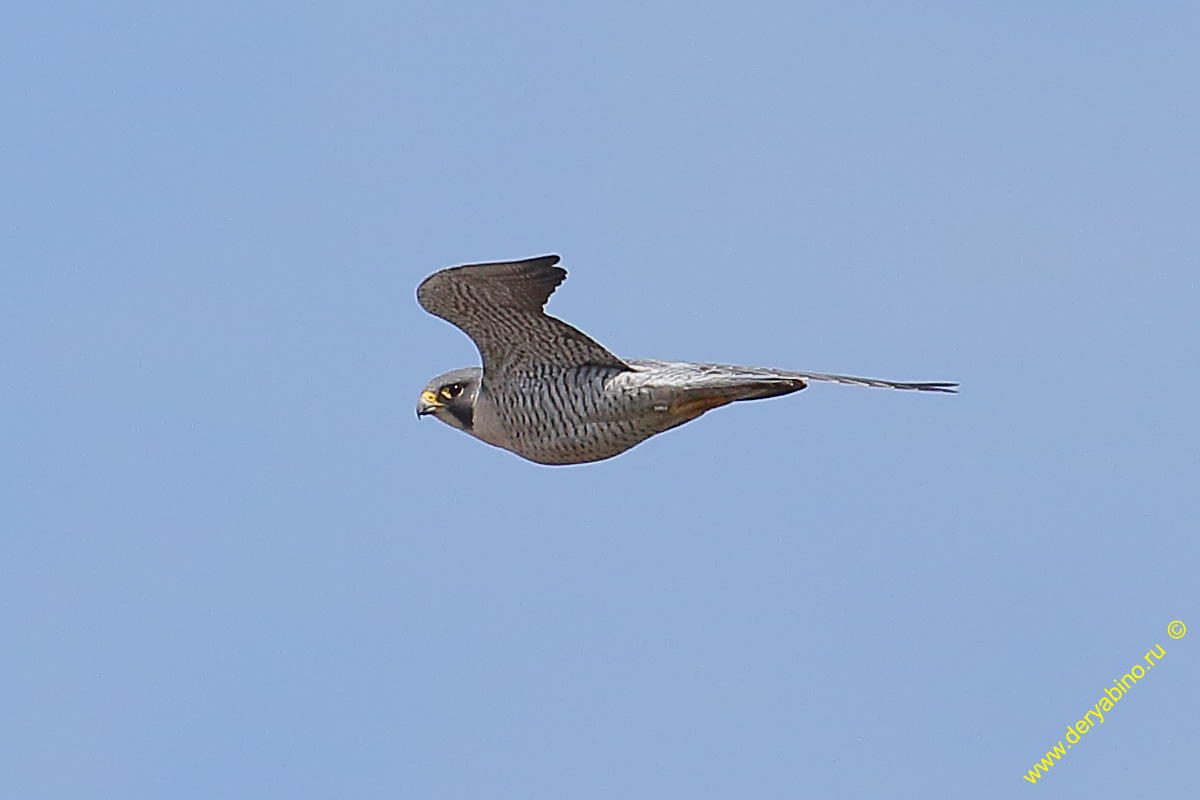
{"points": [[234, 564]]}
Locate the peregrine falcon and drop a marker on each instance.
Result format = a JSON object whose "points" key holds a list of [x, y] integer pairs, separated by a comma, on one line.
{"points": [[551, 394]]}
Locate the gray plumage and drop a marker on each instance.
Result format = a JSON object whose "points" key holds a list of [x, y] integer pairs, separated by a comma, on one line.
{"points": [[551, 394]]}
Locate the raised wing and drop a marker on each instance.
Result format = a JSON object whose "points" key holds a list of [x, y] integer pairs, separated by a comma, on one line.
{"points": [[499, 305]]}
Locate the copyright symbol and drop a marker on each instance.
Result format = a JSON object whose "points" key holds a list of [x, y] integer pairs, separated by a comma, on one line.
{"points": [[1176, 630]]}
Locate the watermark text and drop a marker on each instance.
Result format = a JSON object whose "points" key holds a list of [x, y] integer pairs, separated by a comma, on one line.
{"points": [[1095, 715]]}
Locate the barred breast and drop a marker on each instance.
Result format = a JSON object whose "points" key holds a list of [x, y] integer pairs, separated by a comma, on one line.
{"points": [[571, 416]]}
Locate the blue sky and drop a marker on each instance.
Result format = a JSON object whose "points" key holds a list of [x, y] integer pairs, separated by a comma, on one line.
{"points": [[235, 564]]}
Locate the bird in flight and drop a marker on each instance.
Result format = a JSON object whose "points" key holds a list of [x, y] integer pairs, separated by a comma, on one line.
{"points": [[551, 394]]}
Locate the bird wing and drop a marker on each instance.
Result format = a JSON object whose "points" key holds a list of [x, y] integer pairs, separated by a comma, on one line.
{"points": [[920, 386], [727, 376], [499, 305]]}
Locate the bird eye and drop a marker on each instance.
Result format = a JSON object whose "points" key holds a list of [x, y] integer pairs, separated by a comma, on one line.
{"points": [[452, 391]]}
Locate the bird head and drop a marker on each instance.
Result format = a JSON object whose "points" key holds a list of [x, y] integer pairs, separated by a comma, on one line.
{"points": [[451, 397]]}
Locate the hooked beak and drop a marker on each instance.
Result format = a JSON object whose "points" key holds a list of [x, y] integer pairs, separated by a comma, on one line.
{"points": [[428, 403]]}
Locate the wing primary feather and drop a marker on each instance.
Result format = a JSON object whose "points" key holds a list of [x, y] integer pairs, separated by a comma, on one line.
{"points": [[919, 386], [499, 305]]}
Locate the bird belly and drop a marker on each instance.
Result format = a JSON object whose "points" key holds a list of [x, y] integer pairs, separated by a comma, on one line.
{"points": [[583, 421]]}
